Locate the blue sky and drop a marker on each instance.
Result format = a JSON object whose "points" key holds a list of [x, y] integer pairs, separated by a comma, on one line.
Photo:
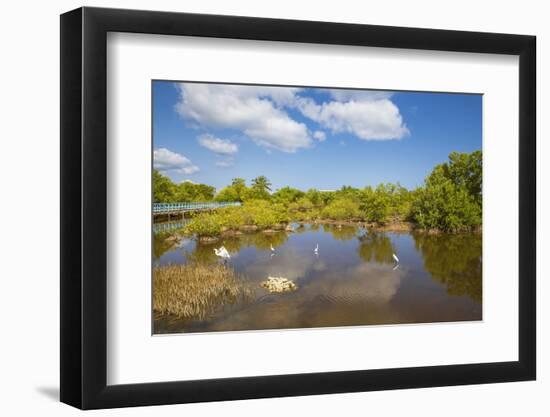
{"points": [[308, 137]]}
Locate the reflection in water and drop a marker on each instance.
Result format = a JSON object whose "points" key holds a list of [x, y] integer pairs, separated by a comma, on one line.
{"points": [[203, 253], [352, 281], [453, 260], [376, 247], [287, 263], [364, 285], [161, 245], [166, 227], [302, 228], [341, 232], [263, 241], [313, 227]]}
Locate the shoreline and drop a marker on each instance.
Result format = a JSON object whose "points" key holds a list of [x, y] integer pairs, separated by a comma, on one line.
{"points": [[394, 226]]}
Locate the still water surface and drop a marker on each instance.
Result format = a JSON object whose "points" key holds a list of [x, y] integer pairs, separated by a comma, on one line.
{"points": [[352, 281]]}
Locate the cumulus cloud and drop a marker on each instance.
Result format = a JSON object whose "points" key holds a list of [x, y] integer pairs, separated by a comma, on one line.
{"points": [[217, 145], [167, 161], [256, 111], [320, 135], [368, 119], [264, 115]]}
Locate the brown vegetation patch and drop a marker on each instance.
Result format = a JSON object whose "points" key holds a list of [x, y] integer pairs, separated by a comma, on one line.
{"points": [[231, 233], [249, 228], [396, 227], [195, 290], [208, 239]]}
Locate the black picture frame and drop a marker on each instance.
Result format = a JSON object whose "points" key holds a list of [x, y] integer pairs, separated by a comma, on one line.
{"points": [[84, 207]]}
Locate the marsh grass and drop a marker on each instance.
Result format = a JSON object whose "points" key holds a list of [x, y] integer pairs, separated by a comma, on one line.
{"points": [[194, 290]]}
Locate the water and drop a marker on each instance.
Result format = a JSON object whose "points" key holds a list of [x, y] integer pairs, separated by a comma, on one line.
{"points": [[352, 281]]}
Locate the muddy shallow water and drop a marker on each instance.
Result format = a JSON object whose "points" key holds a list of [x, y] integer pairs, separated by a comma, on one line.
{"points": [[353, 280]]}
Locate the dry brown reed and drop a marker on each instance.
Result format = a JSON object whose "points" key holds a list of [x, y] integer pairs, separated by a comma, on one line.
{"points": [[194, 290]]}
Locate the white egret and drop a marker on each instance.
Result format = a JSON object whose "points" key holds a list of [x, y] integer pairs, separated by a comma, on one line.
{"points": [[272, 248], [316, 250], [222, 252], [395, 257]]}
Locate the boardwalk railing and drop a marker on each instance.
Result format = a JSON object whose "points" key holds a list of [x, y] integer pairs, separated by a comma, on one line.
{"points": [[165, 208]]}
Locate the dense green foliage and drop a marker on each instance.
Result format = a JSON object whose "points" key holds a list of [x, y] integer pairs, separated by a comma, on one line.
{"points": [[238, 191], [165, 191], [259, 214], [341, 209], [206, 224], [287, 195], [386, 202], [449, 200], [451, 197]]}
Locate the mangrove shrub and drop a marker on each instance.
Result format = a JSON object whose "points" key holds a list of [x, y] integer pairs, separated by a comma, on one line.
{"points": [[451, 197]]}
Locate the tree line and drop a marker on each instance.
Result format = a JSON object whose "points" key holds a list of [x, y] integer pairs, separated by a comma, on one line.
{"points": [[450, 198]]}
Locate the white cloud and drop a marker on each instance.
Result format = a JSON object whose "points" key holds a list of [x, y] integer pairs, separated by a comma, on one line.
{"points": [[225, 163], [320, 135], [261, 113], [165, 160], [377, 119], [217, 145], [256, 111]]}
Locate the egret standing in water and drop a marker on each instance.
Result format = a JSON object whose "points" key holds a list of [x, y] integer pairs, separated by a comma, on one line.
{"points": [[316, 250], [272, 250], [396, 259], [222, 253]]}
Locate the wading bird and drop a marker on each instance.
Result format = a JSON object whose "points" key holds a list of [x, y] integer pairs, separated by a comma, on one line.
{"points": [[222, 253], [395, 257], [316, 250], [272, 248]]}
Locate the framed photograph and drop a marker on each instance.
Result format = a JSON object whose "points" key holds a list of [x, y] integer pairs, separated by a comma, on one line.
{"points": [[256, 208]]}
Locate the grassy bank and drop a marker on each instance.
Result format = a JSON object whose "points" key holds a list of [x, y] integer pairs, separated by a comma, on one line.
{"points": [[195, 290]]}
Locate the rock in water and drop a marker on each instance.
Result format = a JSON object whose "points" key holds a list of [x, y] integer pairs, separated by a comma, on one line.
{"points": [[278, 284]]}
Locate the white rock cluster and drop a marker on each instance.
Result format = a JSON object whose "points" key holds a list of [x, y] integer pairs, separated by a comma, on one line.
{"points": [[278, 284]]}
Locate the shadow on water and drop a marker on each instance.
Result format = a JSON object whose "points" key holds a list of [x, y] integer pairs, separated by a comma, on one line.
{"points": [[351, 280]]}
